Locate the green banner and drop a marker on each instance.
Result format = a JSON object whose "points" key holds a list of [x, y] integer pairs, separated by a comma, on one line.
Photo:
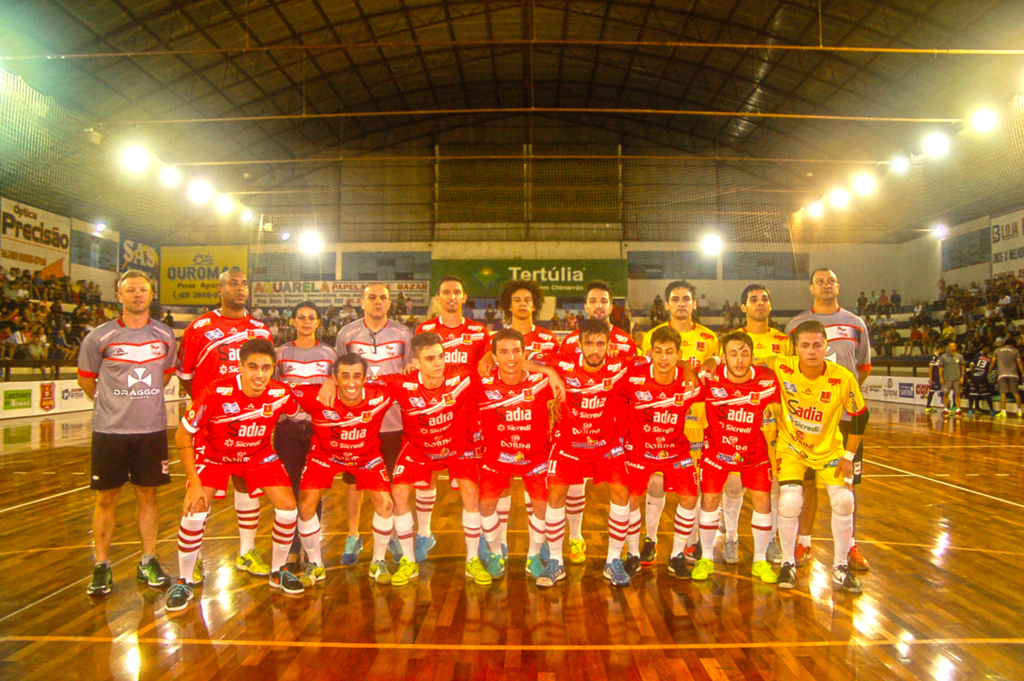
{"points": [[557, 278], [17, 399]]}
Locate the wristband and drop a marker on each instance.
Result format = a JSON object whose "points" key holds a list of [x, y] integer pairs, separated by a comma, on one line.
{"points": [[849, 456], [848, 481]]}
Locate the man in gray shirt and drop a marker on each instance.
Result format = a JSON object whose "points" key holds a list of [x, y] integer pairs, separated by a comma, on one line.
{"points": [[1009, 369], [951, 368], [123, 367]]}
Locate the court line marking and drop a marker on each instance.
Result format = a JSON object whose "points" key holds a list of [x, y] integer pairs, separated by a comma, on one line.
{"points": [[947, 484], [39, 501], [474, 647]]}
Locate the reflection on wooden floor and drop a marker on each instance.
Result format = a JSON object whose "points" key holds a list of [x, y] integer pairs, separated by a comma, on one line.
{"points": [[940, 521]]}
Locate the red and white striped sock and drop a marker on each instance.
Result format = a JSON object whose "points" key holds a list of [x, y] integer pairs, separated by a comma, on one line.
{"points": [[529, 503], [190, 540], [282, 535], [708, 530], [633, 537], [684, 522], [403, 530], [382, 528], [504, 508], [471, 528], [618, 527], [491, 525], [248, 510], [537, 535], [425, 500], [554, 523], [309, 535], [761, 525], [575, 502]]}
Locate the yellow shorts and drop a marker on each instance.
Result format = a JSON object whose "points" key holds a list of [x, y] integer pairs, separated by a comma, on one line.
{"points": [[793, 466]]}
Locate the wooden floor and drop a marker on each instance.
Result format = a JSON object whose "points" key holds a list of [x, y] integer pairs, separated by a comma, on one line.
{"points": [[940, 519]]}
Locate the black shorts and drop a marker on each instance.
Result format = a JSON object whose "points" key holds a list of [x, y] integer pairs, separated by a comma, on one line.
{"points": [[390, 446], [141, 458], [292, 440]]}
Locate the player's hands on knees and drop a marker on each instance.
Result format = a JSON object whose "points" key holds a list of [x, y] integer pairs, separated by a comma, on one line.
{"points": [[845, 471], [327, 392], [195, 501]]}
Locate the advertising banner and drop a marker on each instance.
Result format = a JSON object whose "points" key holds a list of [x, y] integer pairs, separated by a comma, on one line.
{"points": [[34, 239], [898, 389], [1008, 243], [326, 293], [557, 278], [188, 275], [39, 398], [138, 255]]}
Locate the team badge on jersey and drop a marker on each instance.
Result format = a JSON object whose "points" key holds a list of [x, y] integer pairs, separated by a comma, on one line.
{"points": [[700, 346], [417, 402], [467, 339], [680, 399], [528, 395], [367, 416], [250, 334], [754, 399], [644, 396], [493, 395], [449, 399], [231, 408], [776, 348], [719, 392], [608, 384], [826, 396], [214, 334], [268, 410]]}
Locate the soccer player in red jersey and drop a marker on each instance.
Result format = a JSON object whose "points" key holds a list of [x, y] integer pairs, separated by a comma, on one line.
{"points": [[657, 401], [514, 419], [209, 350], [597, 303], [346, 439], [465, 344], [737, 396], [227, 432]]}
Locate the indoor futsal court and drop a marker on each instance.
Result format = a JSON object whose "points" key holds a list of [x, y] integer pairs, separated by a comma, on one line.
{"points": [[407, 339]]}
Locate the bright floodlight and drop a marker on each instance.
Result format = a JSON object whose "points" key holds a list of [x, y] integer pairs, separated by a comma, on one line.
{"points": [[839, 198], [984, 120], [286, 236], [310, 243], [135, 159], [864, 183], [246, 215], [900, 164], [940, 231], [224, 204], [816, 209], [99, 227], [711, 244], [170, 176], [200, 191], [936, 145]]}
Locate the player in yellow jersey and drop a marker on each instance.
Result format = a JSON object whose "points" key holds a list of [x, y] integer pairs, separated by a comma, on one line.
{"points": [[698, 343], [768, 342], [814, 395]]}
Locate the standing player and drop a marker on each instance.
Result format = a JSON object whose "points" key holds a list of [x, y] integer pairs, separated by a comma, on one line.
{"points": [[953, 367], [768, 342], [303, 361], [850, 347], [385, 345], [980, 388], [1009, 369], [935, 376], [697, 344], [815, 394], [208, 351], [346, 438], [123, 367], [514, 420], [597, 303], [227, 432], [657, 401], [465, 344], [737, 398]]}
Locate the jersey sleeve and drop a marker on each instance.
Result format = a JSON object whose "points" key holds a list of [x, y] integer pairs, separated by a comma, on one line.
{"points": [[90, 357], [291, 407], [714, 347], [199, 412], [188, 351], [864, 350], [304, 396], [171, 360], [854, 400]]}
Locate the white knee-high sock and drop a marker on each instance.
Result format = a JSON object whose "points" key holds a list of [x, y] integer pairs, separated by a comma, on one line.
{"points": [[382, 528], [491, 526], [575, 502], [190, 540], [309, 535], [504, 508], [282, 535], [471, 528], [403, 530], [761, 526], [537, 534], [248, 511], [684, 521], [618, 527], [425, 500], [708, 530], [654, 507], [554, 522], [633, 534]]}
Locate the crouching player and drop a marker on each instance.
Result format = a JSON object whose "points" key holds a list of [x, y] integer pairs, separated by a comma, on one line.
{"points": [[657, 401], [814, 395], [227, 431], [514, 414], [346, 439], [736, 397]]}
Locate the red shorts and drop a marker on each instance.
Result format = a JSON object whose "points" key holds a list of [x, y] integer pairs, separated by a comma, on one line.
{"points": [[756, 477], [265, 470], [680, 476], [495, 479], [568, 469], [319, 473], [416, 472]]}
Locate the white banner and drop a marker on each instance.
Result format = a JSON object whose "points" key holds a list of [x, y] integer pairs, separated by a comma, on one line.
{"points": [[1008, 243], [32, 239], [899, 389], [38, 398], [337, 293]]}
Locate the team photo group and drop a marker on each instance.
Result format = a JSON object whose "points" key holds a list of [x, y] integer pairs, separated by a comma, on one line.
{"points": [[399, 415]]}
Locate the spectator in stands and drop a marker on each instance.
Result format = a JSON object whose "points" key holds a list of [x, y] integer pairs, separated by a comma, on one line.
{"points": [[888, 322], [15, 341], [169, 319], [657, 310], [883, 302], [571, 321], [895, 301], [620, 318], [890, 340], [59, 348], [489, 313], [556, 322], [862, 304], [35, 349], [704, 306], [873, 303], [7, 348], [915, 340]]}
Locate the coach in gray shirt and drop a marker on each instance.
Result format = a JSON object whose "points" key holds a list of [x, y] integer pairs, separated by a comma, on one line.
{"points": [[123, 367], [951, 367], [1007, 366]]}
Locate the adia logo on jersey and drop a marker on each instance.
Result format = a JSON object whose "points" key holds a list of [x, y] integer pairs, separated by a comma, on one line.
{"points": [[517, 414], [739, 416], [456, 357], [251, 430]]}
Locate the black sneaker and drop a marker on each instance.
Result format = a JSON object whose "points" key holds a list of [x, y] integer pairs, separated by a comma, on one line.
{"points": [[632, 565], [787, 576], [841, 576], [286, 582], [693, 553], [152, 574], [649, 552], [677, 566], [102, 581], [178, 596]]}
